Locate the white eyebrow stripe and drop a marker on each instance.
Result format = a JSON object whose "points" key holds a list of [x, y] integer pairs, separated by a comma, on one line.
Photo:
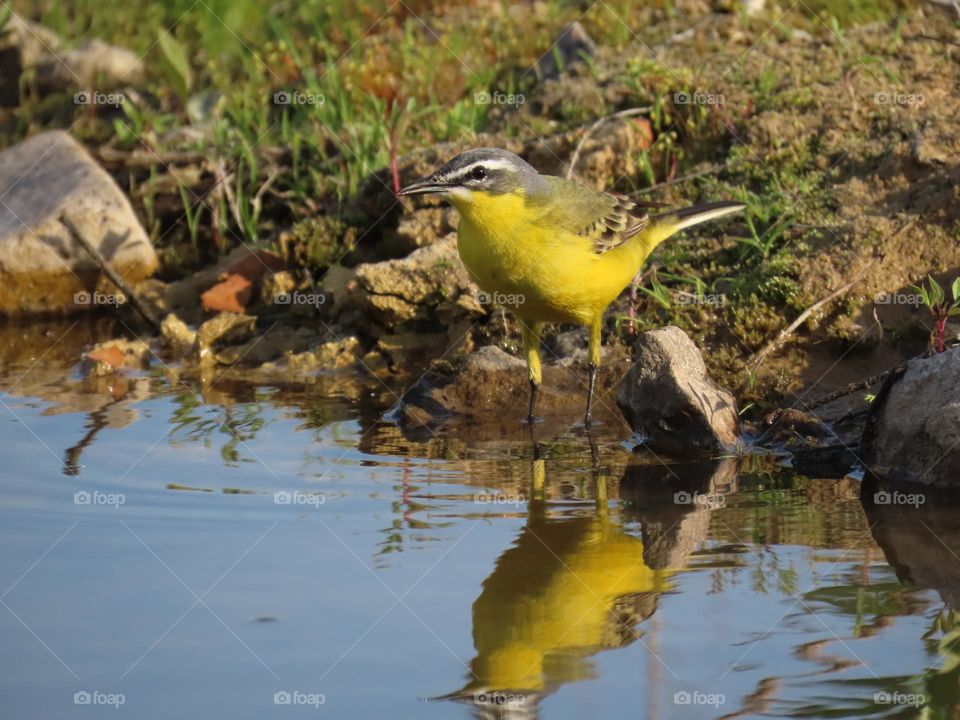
{"points": [[492, 164]]}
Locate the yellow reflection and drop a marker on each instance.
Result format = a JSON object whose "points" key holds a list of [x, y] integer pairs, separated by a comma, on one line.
{"points": [[567, 589]]}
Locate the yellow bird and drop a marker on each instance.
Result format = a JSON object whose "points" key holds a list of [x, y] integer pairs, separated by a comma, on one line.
{"points": [[550, 249]]}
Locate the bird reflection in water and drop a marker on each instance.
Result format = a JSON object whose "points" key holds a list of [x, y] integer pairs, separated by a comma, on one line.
{"points": [[568, 588]]}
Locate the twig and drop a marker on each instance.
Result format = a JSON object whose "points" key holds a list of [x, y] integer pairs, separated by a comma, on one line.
{"points": [[848, 390], [757, 358], [948, 41], [258, 198], [593, 128], [676, 181], [111, 273]]}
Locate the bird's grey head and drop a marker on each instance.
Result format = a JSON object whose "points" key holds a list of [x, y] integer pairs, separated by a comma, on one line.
{"points": [[482, 169]]}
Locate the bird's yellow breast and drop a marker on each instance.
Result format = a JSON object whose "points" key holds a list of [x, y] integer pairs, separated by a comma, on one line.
{"points": [[511, 250]]}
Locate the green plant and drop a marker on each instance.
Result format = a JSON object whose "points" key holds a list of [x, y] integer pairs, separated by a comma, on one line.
{"points": [[940, 307]]}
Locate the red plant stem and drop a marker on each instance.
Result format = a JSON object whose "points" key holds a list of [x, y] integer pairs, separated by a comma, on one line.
{"points": [[941, 328]]}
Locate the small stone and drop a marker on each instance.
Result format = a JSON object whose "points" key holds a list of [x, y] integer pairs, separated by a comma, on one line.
{"points": [[225, 329], [275, 285], [177, 335], [108, 357], [236, 288], [331, 355], [670, 400], [230, 295]]}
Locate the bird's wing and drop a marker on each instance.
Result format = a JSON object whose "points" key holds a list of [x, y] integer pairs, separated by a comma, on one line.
{"points": [[605, 219]]}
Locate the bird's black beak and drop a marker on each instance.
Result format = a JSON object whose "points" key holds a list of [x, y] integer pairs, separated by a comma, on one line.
{"points": [[424, 187]]}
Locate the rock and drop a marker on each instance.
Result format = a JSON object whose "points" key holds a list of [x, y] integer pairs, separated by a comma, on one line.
{"points": [[224, 329], [276, 284], [110, 356], [233, 292], [177, 335], [278, 341], [230, 295], [405, 349], [669, 399], [427, 284], [93, 64], [35, 43], [42, 266], [913, 433], [331, 355], [573, 44], [492, 384], [423, 226]]}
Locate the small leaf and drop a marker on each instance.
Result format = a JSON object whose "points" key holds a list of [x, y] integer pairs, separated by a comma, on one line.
{"points": [[956, 289], [936, 292], [177, 63]]}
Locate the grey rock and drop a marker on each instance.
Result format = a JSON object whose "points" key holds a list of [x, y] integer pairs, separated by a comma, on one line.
{"points": [[913, 434], [93, 65], [669, 399], [42, 266]]}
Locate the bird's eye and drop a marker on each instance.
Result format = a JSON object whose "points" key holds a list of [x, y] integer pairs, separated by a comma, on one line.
{"points": [[478, 173]]}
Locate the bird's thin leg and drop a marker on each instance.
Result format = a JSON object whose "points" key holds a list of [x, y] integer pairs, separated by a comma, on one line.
{"points": [[594, 350], [591, 383], [531, 348], [533, 400]]}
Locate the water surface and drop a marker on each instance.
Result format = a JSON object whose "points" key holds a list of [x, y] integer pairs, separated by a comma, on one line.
{"points": [[211, 546]]}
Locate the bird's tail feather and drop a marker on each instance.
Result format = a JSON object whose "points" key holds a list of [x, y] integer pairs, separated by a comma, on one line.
{"points": [[664, 225]]}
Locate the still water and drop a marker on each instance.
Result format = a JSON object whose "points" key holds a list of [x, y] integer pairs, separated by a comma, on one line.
{"points": [[216, 547]]}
